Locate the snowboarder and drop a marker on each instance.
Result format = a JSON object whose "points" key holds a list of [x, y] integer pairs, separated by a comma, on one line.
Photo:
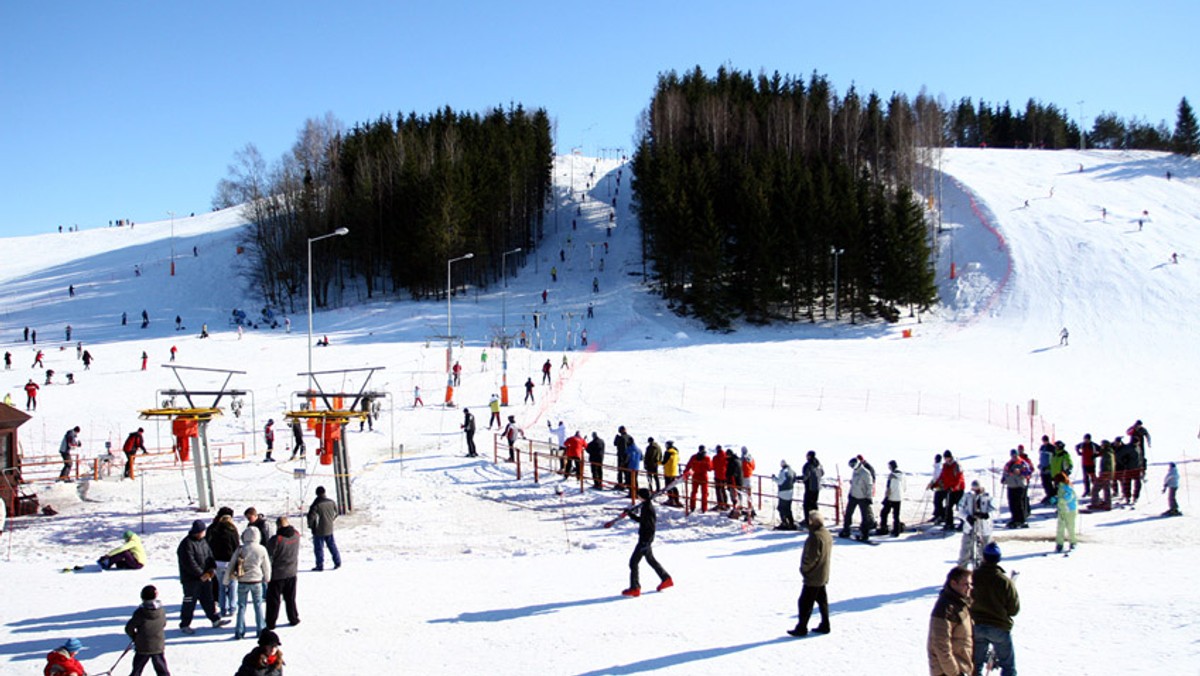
{"points": [[811, 475], [1068, 508], [61, 661], [892, 496], [786, 481], [994, 602], [647, 518], [297, 440], [70, 441], [814, 567], [269, 437], [266, 659], [1170, 487], [284, 551], [529, 391], [862, 487], [147, 629], [133, 443], [321, 515], [468, 428], [976, 509], [129, 555], [951, 634]]}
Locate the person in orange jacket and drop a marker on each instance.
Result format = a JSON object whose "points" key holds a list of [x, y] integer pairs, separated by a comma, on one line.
{"points": [[720, 467], [699, 466]]}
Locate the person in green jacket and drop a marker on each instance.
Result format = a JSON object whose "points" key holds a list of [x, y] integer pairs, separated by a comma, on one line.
{"points": [[129, 556], [1060, 460], [994, 602]]}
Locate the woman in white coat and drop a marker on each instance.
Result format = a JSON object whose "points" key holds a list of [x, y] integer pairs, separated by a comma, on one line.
{"points": [[251, 567]]}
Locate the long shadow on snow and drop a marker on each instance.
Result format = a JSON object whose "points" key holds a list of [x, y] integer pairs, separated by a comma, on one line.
{"points": [[866, 603], [666, 661], [505, 614]]}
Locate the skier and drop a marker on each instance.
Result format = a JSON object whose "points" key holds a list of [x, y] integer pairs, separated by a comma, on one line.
{"points": [[31, 390], [129, 555], [178, 323], [37, 360], [814, 567], [951, 634], [786, 480], [68, 332], [994, 602], [976, 509], [573, 449], [510, 434], [647, 518], [61, 661], [1170, 487], [266, 659], [1068, 508], [1062, 336], [699, 466], [87, 360], [145, 357], [71, 293], [468, 428], [269, 437], [70, 441], [33, 336], [417, 397], [147, 629], [811, 475], [145, 319], [1015, 478], [494, 407], [297, 440], [368, 419], [546, 373], [133, 443], [545, 294], [862, 487], [173, 351], [457, 372], [529, 391], [483, 357], [893, 495]]}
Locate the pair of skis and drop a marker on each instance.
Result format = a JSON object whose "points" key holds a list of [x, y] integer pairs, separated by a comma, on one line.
{"points": [[628, 510]]}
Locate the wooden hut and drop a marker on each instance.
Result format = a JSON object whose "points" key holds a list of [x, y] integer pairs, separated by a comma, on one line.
{"points": [[10, 462]]}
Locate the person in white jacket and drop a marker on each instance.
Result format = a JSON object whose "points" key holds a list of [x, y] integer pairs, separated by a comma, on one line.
{"points": [[786, 479], [251, 567], [862, 489], [892, 497], [976, 510]]}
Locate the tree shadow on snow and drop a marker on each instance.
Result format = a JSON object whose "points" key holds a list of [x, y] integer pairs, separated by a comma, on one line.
{"points": [[504, 614], [667, 661]]}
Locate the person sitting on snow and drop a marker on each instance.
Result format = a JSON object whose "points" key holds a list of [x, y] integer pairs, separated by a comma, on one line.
{"points": [[129, 556]]}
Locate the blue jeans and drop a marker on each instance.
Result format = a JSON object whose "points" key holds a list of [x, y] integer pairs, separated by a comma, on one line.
{"points": [[1006, 659], [319, 544], [226, 593], [255, 591]]}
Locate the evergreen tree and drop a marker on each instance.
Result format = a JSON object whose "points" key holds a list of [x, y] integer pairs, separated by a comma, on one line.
{"points": [[1186, 140]]}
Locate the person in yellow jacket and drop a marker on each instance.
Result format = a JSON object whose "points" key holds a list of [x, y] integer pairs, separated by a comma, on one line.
{"points": [[129, 556], [670, 465]]}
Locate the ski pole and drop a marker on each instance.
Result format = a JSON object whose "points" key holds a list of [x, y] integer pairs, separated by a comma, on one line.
{"points": [[114, 666]]}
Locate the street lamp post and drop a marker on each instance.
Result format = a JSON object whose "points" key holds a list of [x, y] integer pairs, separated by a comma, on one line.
{"points": [[336, 233], [836, 253], [504, 327], [450, 331]]}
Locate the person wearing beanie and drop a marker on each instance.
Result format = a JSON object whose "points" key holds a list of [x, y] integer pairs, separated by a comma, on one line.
{"points": [[814, 567], [811, 475], [266, 659], [147, 630], [862, 488], [892, 496], [994, 602], [698, 466], [647, 518], [1068, 507], [197, 568], [61, 661], [786, 480], [130, 555], [321, 515]]}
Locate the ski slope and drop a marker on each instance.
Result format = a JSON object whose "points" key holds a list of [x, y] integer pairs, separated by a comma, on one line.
{"points": [[453, 566]]}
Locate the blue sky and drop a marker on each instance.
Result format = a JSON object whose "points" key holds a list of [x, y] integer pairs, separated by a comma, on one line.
{"points": [[129, 110]]}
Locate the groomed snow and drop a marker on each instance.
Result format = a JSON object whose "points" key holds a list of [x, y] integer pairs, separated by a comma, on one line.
{"points": [[453, 566]]}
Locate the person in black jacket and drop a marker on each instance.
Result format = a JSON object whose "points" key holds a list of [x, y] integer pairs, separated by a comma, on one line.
{"points": [[266, 659], [621, 442], [147, 629], [321, 515], [647, 517], [253, 518], [284, 550], [595, 453], [197, 567], [811, 475], [468, 428], [223, 539]]}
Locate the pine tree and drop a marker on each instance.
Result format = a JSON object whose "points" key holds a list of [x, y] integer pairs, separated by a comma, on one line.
{"points": [[1186, 140]]}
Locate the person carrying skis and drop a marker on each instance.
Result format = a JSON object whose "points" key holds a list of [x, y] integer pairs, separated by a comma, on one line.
{"points": [[994, 602], [951, 630], [786, 482], [595, 453], [468, 428], [647, 518], [61, 661], [133, 443], [130, 555], [976, 509], [862, 488], [1015, 477], [698, 466], [70, 441], [811, 475], [510, 434], [1170, 487], [814, 567], [269, 437], [892, 496], [1068, 508], [147, 630], [671, 473]]}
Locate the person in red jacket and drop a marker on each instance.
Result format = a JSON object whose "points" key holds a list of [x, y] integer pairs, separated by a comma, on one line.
{"points": [[720, 466], [61, 661], [574, 446], [699, 466], [1088, 450], [31, 390], [953, 483]]}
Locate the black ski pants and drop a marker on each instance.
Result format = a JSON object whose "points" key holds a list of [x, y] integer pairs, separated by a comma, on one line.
{"points": [[808, 596], [282, 590], [159, 662], [1016, 503], [952, 498], [644, 550], [197, 591]]}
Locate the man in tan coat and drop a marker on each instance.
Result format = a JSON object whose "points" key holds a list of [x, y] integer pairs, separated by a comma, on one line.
{"points": [[950, 627], [814, 566]]}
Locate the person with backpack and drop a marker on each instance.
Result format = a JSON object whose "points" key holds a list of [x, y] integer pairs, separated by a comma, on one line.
{"points": [[133, 443], [147, 629]]}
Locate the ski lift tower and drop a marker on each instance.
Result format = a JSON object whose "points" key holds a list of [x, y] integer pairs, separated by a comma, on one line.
{"points": [[329, 413], [189, 424]]}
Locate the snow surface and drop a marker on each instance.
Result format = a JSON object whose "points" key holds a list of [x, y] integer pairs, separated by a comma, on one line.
{"points": [[454, 566]]}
